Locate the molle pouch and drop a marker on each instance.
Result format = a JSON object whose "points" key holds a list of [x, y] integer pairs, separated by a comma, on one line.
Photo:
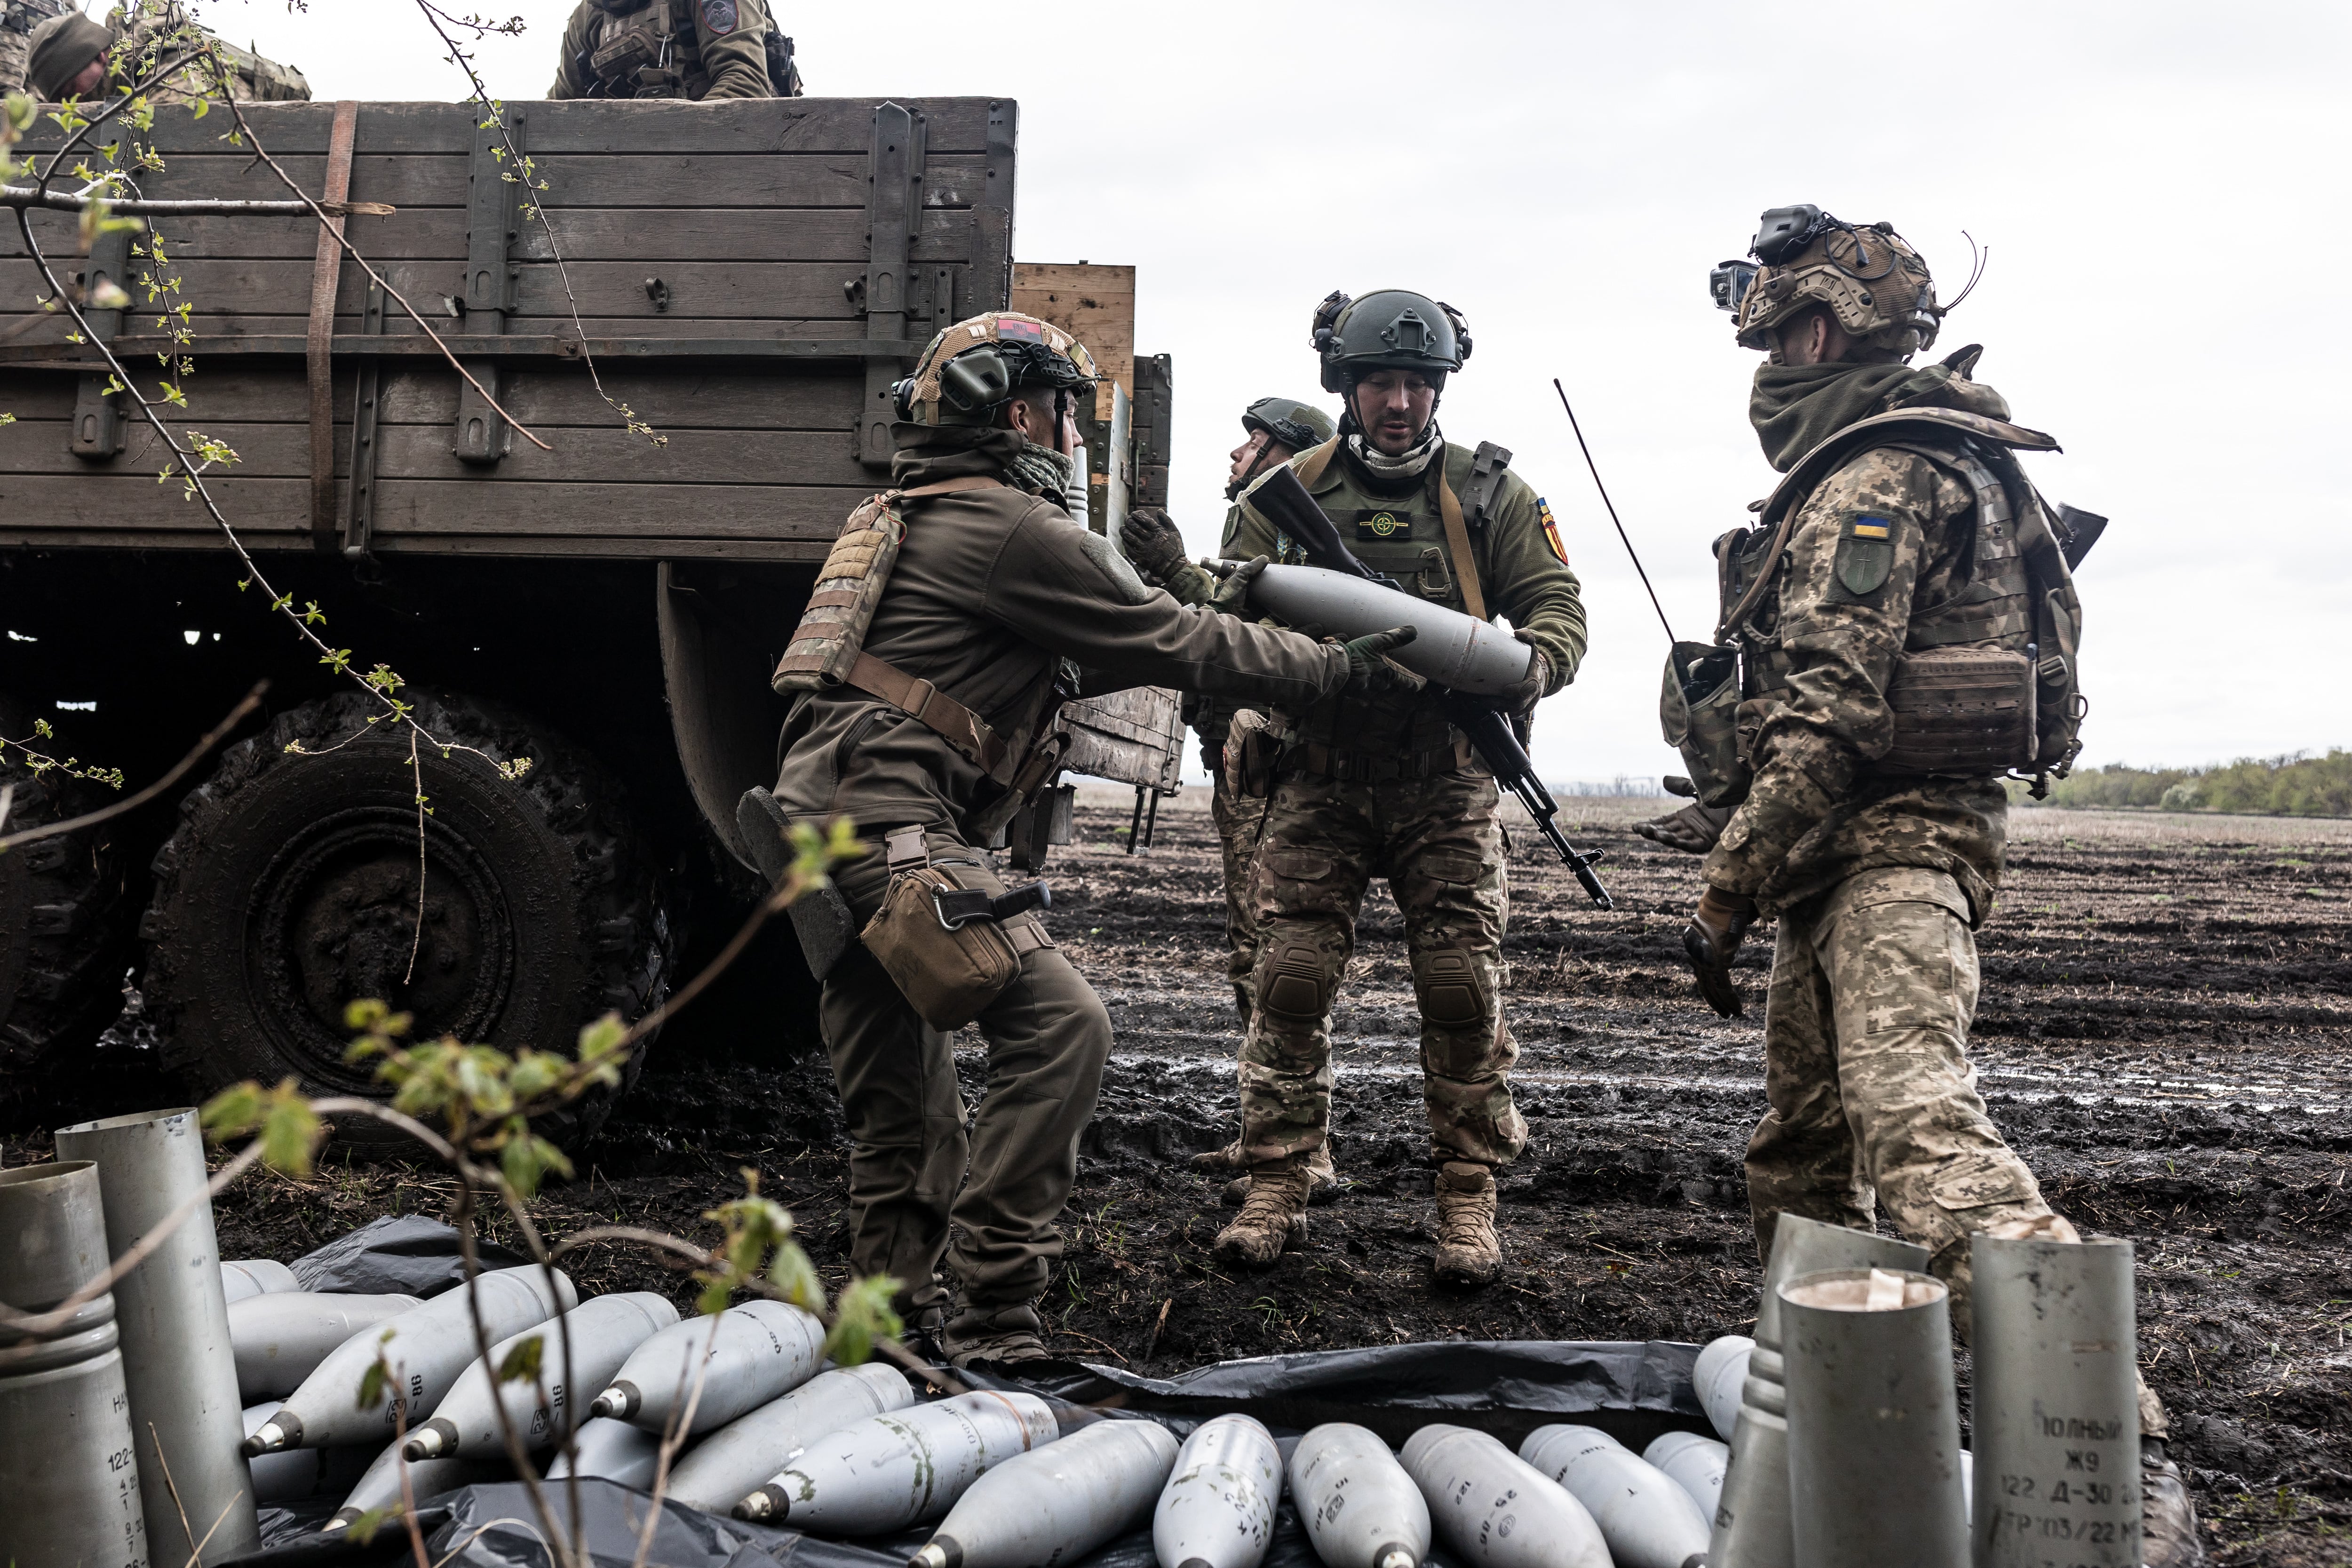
{"points": [[624, 53], [1698, 706], [849, 586], [948, 955], [1967, 712]]}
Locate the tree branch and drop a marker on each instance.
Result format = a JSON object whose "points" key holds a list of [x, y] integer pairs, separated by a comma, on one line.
{"points": [[28, 196], [212, 737]]}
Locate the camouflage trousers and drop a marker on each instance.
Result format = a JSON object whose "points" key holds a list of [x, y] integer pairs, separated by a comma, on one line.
{"points": [[1439, 845], [1239, 819], [1872, 1097]]}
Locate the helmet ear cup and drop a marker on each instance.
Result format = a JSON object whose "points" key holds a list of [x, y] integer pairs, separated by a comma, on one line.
{"points": [[973, 383]]}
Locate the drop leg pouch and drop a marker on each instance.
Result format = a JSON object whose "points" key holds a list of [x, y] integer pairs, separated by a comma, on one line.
{"points": [[1698, 707], [948, 974]]}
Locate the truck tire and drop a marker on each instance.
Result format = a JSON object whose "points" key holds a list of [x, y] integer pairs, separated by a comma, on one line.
{"points": [[290, 890], [65, 929]]}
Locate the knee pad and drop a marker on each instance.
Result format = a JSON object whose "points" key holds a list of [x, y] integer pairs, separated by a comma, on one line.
{"points": [[1446, 982], [1295, 981]]}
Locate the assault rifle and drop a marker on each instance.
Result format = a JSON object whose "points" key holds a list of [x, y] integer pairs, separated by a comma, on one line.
{"points": [[1284, 502]]}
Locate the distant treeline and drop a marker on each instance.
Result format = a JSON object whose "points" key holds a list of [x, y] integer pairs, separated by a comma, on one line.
{"points": [[2295, 785]]}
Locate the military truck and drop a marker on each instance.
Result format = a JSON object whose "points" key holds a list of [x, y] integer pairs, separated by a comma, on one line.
{"points": [[699, 338]]}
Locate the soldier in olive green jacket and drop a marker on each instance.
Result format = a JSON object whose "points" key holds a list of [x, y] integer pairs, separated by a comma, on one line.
{"points": [[665, 48], [1381, 783]]}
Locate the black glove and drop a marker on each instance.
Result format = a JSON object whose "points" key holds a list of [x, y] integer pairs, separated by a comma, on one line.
{"points": [[1692, 830], [1370, 667], [1150, 539], [1711, 941]]}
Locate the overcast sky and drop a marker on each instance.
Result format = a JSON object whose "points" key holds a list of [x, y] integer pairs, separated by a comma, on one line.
{"points": [[2162, 187]]}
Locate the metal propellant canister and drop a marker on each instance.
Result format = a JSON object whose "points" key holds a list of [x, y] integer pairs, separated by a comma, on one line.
{"points": [[69, 1469], [2056, 1404], [1873, 1421], [1751, 1516], [177, 1357]]}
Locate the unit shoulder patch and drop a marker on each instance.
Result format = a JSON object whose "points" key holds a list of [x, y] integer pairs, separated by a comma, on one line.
{"points": [[1551, 529], [718, 17], [1865, 555]]}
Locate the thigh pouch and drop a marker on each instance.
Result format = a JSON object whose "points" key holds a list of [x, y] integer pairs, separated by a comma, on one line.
{"points": [[950, 949]]}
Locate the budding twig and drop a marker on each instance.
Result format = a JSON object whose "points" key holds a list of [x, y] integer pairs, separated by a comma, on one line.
{"points": [[212, 737]]}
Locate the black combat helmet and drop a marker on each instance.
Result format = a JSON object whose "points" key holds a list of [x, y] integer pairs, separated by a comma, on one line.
{"points": [[1296, 425], [1393, 328]]}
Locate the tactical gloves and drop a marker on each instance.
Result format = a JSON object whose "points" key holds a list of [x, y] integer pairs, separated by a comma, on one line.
{"points": [[1150, 539], [1712, 940], [1692, 830], [1370, 668], [1231, 595], [1522, 699]]}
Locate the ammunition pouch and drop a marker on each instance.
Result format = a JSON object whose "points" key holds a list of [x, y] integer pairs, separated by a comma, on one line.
{"points": [[1698, 708], [1962, 711], [941, 940], [620, 57]]}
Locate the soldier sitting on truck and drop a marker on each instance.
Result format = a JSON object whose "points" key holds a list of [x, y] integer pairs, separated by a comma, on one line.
{"points": [[73, 57], [925, 677], [674, 49]]}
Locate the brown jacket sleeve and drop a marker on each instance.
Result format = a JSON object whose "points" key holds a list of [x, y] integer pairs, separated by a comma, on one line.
{"points": [[1067, 590], [737, 59]]}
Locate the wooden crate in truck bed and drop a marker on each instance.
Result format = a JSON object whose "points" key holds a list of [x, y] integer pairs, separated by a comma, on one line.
{"points": [[750, 277]]}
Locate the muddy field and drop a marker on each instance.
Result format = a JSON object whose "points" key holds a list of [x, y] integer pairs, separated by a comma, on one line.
{"points": [[2167, 1015]]}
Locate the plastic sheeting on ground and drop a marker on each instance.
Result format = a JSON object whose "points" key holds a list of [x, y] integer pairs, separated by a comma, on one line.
{"points": [[1633, 1390], [405, 1255]]}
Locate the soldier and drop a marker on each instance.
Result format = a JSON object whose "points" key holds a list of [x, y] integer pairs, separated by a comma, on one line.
{"points": [[921, 743], [73, 57], [672, 48], [18, 18], [1379, 782], [1275, 430], [1875, 839]]}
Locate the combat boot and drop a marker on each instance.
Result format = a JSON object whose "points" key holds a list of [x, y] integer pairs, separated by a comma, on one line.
{"points": [[2168, 1518], [1322, 1177], [993, 1335], [1468, 1251], [1272, 1218]]}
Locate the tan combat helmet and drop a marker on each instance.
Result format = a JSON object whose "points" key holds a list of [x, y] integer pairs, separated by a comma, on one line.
{"points": [[1867, 274], [968, 371]]}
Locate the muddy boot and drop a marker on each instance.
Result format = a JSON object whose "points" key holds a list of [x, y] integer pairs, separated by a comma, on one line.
{"points": [[1322, 1179], [1468, 1252], [993, 1335], [1218, 1161], [1272, 1218], [2168, 1518]]}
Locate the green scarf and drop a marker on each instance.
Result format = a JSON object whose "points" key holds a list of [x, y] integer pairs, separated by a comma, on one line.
{"points": [[1795, 408]]}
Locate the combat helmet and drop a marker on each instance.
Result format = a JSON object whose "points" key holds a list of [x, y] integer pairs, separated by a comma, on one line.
{"points": [[1392, 328], [1295, 425], [968, 371], [1868, 275]]}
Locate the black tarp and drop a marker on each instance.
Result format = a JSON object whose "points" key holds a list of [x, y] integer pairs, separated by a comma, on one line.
{"points": [[404, 1255], [1630, 1389]]}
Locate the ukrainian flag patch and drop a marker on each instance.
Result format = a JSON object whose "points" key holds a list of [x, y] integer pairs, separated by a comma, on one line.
{"points": [[1871, 527], [1551, 529]]}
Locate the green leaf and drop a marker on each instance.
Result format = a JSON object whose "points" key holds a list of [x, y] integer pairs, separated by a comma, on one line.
{"points": [[522, 1363], [364, 1528], [713, 1300], [795, 1278], [861, 1315], [291, 1133]]}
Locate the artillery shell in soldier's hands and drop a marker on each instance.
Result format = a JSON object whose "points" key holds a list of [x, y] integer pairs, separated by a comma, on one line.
{"points": [[1056, 1503], [1492, 1507], [1644, 1515], [380, 1486], [1219, 1505], [280, 1338], [1694, 1463], [724, 1365], [428, 1348], [908, 1466], [243, 1278], [1721, 1372], [738, 1457], [604, 1333], [611, 1450], [1456, 651], [1360, 1506]]}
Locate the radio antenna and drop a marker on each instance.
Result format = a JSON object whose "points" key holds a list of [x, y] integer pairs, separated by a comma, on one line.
{"points": [[1613, 510]]}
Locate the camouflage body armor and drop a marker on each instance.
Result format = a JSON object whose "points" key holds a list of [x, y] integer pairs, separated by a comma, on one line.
{"points": [[1987, 682], [17, 20]]}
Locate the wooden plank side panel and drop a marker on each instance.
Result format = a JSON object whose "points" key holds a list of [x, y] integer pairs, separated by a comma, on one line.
{"points": [[1095, 304], [839, 125], [650, 515]]}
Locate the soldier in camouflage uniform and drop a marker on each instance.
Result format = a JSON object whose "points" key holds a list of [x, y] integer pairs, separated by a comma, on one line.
{"points": [[1386, 786], [1877, 878], [18, 18], [73, 57]]}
